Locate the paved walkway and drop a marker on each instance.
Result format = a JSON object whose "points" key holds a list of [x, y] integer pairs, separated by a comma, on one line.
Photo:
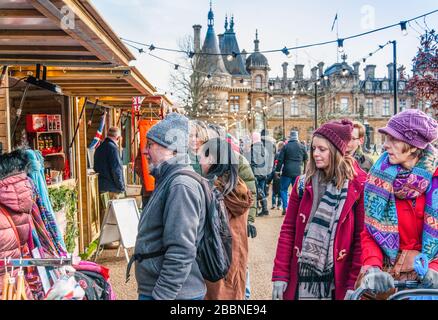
{"points": [[261, 258]]}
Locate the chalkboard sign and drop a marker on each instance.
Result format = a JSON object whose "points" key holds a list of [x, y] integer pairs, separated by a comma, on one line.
{"points": [[120, 224]]}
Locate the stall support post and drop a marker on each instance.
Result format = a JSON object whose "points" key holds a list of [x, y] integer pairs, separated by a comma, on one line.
{"points": [[5, 131]]}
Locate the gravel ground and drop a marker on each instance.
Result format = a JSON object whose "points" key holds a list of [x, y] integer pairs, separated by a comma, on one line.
{"points": [[261, 258]]}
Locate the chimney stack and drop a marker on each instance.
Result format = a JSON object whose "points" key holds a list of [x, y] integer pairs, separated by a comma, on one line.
{"points": [[370, 71], [390, 67], [284, 82], [313, 71], [298, 69], [244, 55], [356, 68], [321, 68], [197, 38]]}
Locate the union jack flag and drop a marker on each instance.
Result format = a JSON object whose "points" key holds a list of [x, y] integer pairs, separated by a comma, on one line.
{"points": [[99, 134], [136, 103]]}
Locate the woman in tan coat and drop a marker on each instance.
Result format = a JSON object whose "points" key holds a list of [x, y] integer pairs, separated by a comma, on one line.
{"points": [[220, 165]]}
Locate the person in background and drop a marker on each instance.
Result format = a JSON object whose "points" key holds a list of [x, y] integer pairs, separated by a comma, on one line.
{"points": [[276, 196], [198, 135], [220, 165], [375, 150], [401, 205], [172, 223], [108, 164], [290, 160], [260, 164], [304, 143], [318, 251], [138, 169], [354, 148]]}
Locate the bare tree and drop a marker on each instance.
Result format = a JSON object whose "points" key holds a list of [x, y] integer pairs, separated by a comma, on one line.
{"points": [[194, 79]]}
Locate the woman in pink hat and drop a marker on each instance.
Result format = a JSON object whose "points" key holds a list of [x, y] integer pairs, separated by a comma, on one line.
{"points": [[318, 251], [401, 205]]}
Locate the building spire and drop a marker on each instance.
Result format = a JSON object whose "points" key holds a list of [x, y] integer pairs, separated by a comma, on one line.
{"points": [[211, 16], [256, 41], [226, 23], [232, 23]]}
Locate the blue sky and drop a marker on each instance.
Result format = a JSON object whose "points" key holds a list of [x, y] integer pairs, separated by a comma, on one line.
{"points": [[280, 23]]}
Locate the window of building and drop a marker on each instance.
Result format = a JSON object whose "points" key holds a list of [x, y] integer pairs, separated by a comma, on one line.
{"points": [[402, 104], [258, 118], [258, 82], [385, 85], [369, 108], [401, 85], [344, 105], [385, 110], [311, 106], [234, 103], [277, 85], [294, 107], [259, 104], [368, 85]]}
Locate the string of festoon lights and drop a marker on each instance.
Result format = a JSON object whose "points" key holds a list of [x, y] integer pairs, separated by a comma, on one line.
{"points": [[246, 82], [285, 50]]}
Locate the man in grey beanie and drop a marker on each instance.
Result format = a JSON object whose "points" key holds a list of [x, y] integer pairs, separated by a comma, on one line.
{"points": [[172, 223]]}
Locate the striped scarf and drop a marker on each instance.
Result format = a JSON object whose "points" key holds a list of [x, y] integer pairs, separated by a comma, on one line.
{"points": [[380, 210], [316, 259]]}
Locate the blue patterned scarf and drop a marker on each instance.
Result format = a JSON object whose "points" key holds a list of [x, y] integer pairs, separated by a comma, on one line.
{"points": [[380, 211]]}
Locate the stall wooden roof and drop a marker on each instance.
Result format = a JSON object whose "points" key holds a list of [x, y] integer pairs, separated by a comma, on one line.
{"points": [[122, 82], [83, 55], [40, 30]]}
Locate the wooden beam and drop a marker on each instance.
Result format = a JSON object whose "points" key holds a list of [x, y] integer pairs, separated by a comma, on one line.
{"points": [[98, 93], [42, 57], [30, 34], [86, 74], [85, 30], [61, 63], [18, 13], [91, 82], [40, 48], [93, 86]]}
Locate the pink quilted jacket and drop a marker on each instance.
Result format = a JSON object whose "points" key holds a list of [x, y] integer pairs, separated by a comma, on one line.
{"points": [[16, 199]]}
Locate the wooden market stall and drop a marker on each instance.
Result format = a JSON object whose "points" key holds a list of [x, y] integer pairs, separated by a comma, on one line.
{"points": [[60, 58]]}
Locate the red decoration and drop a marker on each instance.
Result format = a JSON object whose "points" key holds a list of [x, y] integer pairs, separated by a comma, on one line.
{"points": [[425, 79]]}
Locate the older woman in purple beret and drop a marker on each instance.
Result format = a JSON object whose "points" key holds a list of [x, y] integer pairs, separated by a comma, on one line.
{"points": [[401, 205]]}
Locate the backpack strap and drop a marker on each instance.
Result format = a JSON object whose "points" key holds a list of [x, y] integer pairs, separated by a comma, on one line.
{"points": [[11, 222], [144, 256]]}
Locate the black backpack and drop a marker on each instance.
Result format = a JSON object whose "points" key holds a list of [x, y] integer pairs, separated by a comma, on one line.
{"points": [[214, 251]]}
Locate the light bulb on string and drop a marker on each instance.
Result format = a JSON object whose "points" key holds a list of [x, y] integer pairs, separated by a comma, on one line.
{"points": [[403, 28], [341, 45]]}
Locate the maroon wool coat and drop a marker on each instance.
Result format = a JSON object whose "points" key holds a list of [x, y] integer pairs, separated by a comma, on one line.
{"points": [[347, 246]]}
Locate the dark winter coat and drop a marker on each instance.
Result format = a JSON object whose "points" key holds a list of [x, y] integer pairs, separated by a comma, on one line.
{"points": [[291, 158], [108, 164]]}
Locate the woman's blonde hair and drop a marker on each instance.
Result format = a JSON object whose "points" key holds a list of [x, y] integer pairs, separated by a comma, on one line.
{"points": [[340, 167], [201, 130]]}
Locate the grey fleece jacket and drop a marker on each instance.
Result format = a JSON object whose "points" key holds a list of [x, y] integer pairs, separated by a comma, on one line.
{"points": [[172, 221]]}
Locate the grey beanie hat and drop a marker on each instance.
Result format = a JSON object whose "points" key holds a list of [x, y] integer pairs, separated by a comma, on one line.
{"points": [[172, 132], [293, 135]]}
